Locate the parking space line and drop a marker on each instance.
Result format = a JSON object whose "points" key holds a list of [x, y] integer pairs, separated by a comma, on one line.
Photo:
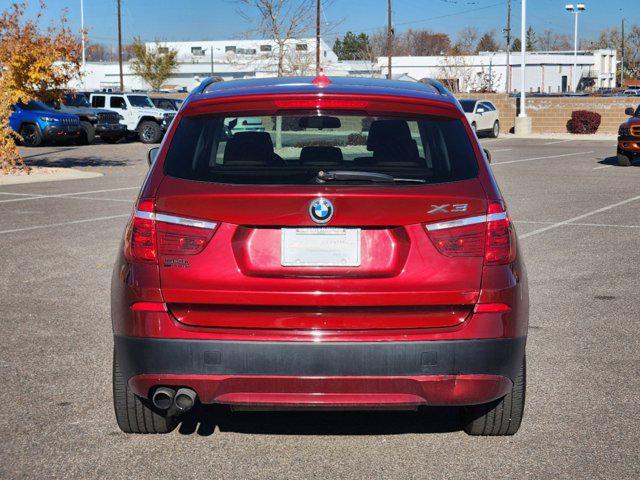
{"points": [[579, 217], [106, 199], [602, 166], [73, 222], [542, 158], [22, 194], [501, 150], [560, 141], [612, 225], [62, 195]]}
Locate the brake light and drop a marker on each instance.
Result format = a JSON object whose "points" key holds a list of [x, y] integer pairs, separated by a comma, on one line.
{"points": [[140, 239], [182, 239], [463, 241], [491, 235], [500, 247], [322, 103], [149, 234]]}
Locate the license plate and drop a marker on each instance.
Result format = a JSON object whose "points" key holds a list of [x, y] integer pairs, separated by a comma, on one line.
{"points": [[320, 247]]}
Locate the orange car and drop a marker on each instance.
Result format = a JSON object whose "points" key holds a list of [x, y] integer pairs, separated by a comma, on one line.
{"points": [[629, 138]]}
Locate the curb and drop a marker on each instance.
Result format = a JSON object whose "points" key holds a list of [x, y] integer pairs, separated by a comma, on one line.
{"points": [[51, 175]]}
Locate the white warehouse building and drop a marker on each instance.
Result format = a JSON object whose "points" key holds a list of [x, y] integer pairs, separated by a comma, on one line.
{"points": [[548, 72]]}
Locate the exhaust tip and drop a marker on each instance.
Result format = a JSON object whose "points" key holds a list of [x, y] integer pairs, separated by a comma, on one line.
{"points": [[185, 399], [163, 397]]}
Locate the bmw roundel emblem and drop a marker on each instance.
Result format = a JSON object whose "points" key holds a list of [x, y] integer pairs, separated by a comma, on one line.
{"points": [[321, 210]]}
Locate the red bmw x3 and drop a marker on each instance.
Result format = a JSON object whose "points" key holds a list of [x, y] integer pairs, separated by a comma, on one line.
{"points": [[318, 243]]}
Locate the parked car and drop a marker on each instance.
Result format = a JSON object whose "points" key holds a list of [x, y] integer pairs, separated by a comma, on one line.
{"points": [[381, 275], [483, 116], [629, 138], [93, 121], [37, 122], [140, 115], [244, 124], [169, 104], [632, 92]]}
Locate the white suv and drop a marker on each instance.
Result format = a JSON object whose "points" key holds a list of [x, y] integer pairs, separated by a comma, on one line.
{"points": [[140, 115], [483, 116]]}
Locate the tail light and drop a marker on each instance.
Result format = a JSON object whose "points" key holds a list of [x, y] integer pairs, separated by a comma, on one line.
{"points": [[150, 234], [490, 236], [500, 246]]}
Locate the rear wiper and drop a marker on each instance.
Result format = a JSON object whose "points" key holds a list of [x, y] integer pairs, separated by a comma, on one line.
{"points": [[354, 175]]}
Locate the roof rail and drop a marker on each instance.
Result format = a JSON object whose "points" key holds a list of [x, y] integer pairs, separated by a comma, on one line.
{"points": [[437, 85], [206, 82]]}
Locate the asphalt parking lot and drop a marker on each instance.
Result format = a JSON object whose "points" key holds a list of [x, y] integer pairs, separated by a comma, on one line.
{"points": [[578, 218]]}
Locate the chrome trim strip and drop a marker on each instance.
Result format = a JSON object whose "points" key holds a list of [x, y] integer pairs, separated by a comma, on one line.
{"points": [[462, 222], [161, 217], [145, 215], [492, 217]]}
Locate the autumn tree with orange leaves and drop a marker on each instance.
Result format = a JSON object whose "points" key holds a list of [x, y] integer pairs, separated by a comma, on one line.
{"points": [[35, 64]]}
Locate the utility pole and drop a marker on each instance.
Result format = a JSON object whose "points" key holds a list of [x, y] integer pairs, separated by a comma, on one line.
{"points": [[120, 49], [211, 53], [318, 38], [82, 30], [508, 32], [389, 37], [622, 58]]}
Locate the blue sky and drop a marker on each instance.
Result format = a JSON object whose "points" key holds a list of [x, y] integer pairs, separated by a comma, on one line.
{"points": [[218, 19]]}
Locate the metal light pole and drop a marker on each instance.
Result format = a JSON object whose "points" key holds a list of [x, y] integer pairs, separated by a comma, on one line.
{"points": [[580, 7], [120, 49], [622, 59], [389, 37], [318, 38], [523, 63], [508, 34]]}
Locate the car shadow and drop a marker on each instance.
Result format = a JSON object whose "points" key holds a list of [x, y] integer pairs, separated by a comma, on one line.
{"points": [[204, 420], [613, 161], [69, 162]]}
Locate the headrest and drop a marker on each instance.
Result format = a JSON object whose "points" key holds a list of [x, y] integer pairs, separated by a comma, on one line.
{"points": [[321, 155], [249, 148], [383, 132]]}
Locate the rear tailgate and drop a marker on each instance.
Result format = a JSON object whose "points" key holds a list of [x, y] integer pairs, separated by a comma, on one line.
{"points": [[238, 280]]}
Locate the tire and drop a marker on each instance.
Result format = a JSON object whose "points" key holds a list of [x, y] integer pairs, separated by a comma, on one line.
{"points": [[31, 135], [500, 417], [149, 132], [87, 133], [136, 415], [111, 138], [624, 160], [495, 131]]}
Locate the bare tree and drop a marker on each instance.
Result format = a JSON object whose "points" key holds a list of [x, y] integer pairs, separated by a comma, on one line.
{"points": [[281, 21], [467, 41], [550, 41], [425, 43], [456, 73]]}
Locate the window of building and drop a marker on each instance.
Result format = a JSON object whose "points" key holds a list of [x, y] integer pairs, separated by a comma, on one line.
{"points": [[163, 50], [230, 48], [246, 51], [265, 48], [198, 51], [301, 47]]}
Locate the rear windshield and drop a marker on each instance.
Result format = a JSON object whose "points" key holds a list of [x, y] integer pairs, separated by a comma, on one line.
{"points": [[292, 150]]}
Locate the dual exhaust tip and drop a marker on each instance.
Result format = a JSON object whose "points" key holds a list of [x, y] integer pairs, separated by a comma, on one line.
{"points": [[183, 399]]}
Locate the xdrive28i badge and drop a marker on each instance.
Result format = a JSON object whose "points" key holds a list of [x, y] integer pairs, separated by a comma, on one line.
{"points": [[321, 210]]}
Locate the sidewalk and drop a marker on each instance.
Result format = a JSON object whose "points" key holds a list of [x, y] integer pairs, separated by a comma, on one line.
{"points": [[605, 137]]}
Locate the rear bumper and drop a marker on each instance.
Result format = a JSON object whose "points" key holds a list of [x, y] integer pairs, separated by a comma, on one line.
{"points": [[456, 372]]}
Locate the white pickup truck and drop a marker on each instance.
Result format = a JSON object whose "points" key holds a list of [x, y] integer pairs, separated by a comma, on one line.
{"points": [[141, 116]]}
